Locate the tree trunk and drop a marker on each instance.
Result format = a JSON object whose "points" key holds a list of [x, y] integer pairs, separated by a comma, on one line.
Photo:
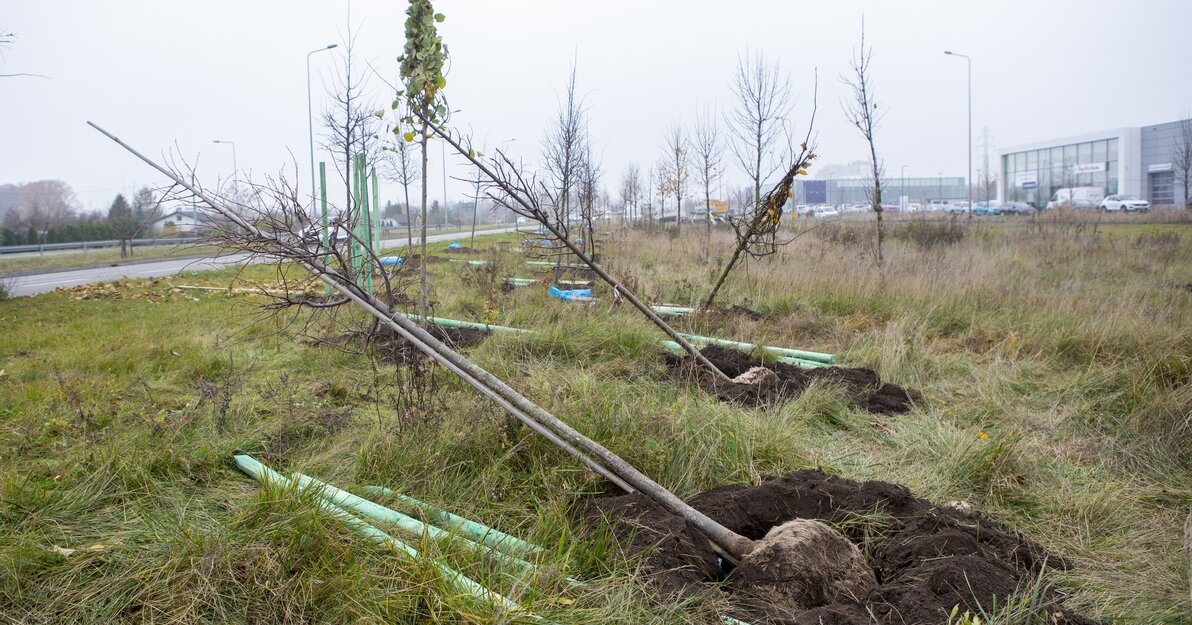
{"points": [[409, 224], [732, 262], [422, 264]]}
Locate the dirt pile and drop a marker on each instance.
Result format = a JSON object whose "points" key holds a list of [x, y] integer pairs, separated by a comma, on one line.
{"points": [[863, 386], [392, 348], [925, 559], [802, 564], [461, 250]]}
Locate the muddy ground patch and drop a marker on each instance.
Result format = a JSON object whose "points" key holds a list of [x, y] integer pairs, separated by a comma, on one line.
{"points": [[925, 558], [864, 387]]}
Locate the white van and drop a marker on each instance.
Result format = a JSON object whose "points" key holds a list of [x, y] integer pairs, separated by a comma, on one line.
{"points": [[1078, 197]]}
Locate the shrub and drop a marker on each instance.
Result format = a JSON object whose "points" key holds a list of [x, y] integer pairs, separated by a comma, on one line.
{"points": [[930, 234]]}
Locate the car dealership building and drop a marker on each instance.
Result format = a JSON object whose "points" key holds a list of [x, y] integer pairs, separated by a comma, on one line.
{"points": [[1130, 161]]}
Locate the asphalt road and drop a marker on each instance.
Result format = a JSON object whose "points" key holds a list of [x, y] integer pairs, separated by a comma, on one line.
{"points": [[42, 282]]}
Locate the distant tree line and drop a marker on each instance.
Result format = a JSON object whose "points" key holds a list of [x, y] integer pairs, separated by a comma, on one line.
{"points": [[47, 211]]}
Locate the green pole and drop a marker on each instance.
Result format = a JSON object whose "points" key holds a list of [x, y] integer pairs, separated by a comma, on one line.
{"points": [[254, 469], [405, 523], [376, 212], [357, 197], [366, 227], [323, 208], [469, 528]]}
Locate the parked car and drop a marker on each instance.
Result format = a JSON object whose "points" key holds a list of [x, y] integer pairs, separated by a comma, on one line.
{"points": [[1125, 203], [1077, 197], [1018, 208], [826, 212], [992, 207]]}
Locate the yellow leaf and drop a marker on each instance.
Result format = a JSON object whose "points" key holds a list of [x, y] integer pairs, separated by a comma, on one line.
{"points": [[983, 436], [565, 601], [62, 551]]}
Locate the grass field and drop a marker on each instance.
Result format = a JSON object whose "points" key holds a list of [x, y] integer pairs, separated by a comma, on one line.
{"points": [[1054, 357]]}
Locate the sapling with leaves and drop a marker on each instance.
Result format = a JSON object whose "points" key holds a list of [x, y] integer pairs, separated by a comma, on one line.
{"points": [[422, 66]]}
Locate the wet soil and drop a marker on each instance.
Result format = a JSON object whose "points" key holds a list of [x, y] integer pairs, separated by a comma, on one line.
{"points": [[462, 250], [748, 313], [392, 348], [415, 260], [926, 558], [864, 387]]}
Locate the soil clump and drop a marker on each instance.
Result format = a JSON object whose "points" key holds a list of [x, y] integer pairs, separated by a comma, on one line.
{"points": [[924, 559], [394, 349], [462, 250], [864, 387]]}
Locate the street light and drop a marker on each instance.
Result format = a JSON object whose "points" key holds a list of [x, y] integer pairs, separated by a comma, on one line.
{"points": [[969, 64], [311, 125], [235, 167]]}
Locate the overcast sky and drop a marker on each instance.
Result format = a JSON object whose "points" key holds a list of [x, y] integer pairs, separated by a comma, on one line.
{"points": [[179, 74]]}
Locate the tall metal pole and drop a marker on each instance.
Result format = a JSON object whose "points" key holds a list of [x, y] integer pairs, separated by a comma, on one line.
{"points": [[967, 177], [310, 124]]}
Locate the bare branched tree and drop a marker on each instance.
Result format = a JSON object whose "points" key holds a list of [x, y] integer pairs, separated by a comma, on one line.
{"points": [[861, 111], [350, 122], [756, 229], [631, 190], [588, 194], [1181, 160], [400, 167], [675, 167], [706, 148], [758, 117], [563, 150], [524, 194]]}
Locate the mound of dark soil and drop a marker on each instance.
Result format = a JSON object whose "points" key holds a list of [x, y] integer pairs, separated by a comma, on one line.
{"points": [[462, 250], [392, 348], [925, 558], [865, 389], [415, 260], [744, 311]]}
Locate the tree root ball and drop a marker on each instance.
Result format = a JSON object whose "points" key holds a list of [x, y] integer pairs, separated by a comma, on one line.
{"points": [[803, 564]]}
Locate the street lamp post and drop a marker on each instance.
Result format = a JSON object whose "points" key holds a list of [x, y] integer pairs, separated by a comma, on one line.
{"points": [[311, 125], [235, 167], [969, 66]]}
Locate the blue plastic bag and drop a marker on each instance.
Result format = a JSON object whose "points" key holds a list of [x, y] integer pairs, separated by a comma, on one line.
{"points": [[569, 295], [454, 246], [392, 261]]}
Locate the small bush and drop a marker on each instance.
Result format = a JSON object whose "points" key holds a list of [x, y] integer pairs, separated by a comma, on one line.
{"points": [[838, 234], [930, 234]]}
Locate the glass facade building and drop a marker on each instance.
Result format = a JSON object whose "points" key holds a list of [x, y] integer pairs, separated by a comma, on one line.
{"points": [[838, 191], [1129, 161], [1034, 176]]}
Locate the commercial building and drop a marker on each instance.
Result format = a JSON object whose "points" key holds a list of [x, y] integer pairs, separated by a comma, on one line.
{"points": [[1130, 161], [856, 190]]}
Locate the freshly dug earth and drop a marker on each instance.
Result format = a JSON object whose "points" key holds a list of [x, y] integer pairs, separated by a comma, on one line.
{"points": [[865, 389], [925, 559], [461, 250], [415, 260], [392, 348], [802, 564]]}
